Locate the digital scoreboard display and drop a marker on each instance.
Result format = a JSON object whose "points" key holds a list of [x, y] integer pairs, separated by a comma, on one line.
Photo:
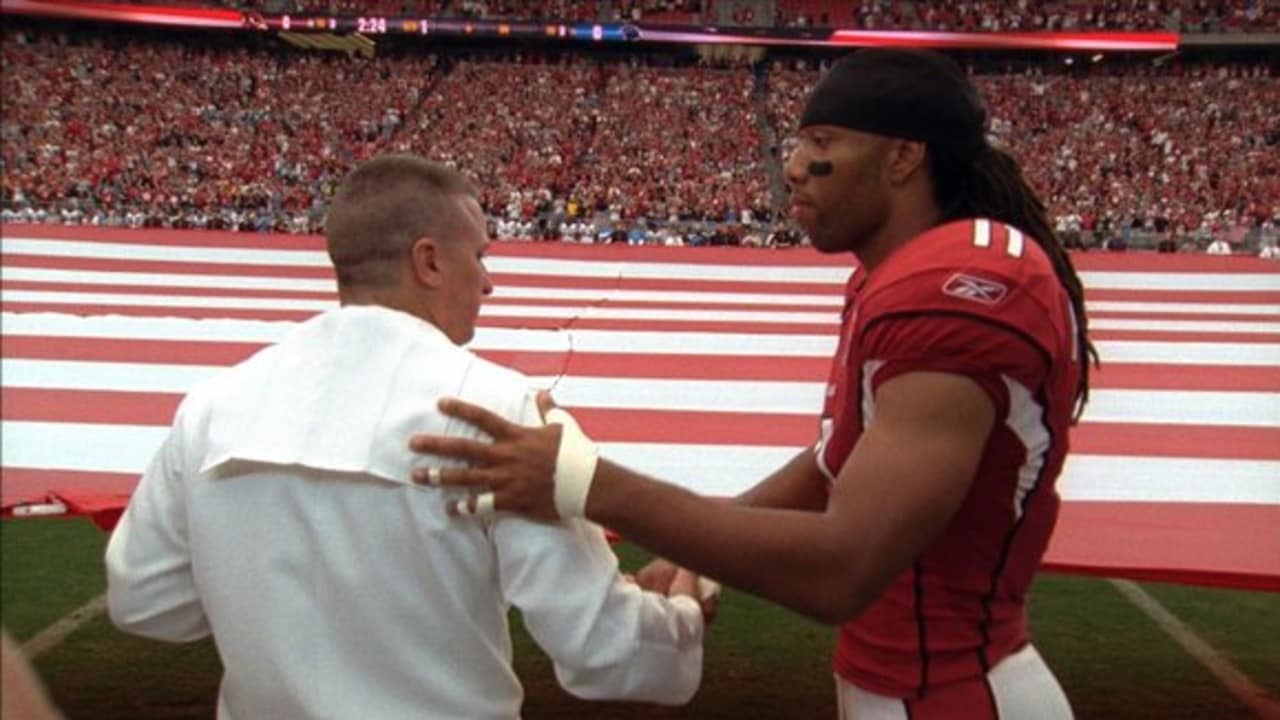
{"points": [[210, 17]]}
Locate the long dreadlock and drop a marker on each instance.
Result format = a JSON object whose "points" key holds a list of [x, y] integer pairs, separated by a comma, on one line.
{"points": [[993, 187]]}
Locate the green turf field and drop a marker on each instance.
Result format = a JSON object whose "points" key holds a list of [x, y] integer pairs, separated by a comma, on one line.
{"points": [[761, 662]]}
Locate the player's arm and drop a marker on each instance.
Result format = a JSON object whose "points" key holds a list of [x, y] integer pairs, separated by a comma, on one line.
{"points": [[908, 474], [797, 485], [900, 487]]}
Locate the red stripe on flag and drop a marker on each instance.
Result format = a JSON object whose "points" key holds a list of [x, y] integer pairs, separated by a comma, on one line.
{"points": [[113, 407], [22, 485], [108, 407], [1200, 441], [166, 237], [1151, 376], [1197, 543], [167, 290], [1157, 314], [692, 367], [197, 313], [177, 352], [165, 267]]}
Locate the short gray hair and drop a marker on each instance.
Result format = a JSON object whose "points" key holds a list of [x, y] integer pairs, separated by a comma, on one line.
{"points": [[382, 207]]}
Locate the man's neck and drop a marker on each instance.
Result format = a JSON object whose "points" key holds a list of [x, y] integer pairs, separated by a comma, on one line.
{"points": [[382, 297], [901, 228]]}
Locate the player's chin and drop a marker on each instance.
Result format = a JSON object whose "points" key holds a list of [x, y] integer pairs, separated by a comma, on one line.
{"points": [[825, 242], [463, 335], [803, 213], [805, 217]]}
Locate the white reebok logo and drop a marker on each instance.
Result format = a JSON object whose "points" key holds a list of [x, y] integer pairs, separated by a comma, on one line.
{"points": [[969, 287]]}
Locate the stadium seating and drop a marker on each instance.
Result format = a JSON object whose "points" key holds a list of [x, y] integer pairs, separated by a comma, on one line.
{"points": [[134, 130], [1191, 151], [1191, 16]]}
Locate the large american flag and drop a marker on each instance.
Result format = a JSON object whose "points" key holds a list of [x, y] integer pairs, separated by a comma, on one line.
{"points": [[702, 366]]}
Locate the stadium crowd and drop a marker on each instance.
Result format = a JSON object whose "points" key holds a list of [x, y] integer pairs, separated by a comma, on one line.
{"points": [[672, 11], [563, 10], [1189, 16], [1182, 152], [156, 133], [160, 133]]}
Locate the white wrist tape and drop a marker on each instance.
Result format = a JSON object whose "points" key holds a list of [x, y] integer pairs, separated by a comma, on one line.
{"points": [[575, 465]]}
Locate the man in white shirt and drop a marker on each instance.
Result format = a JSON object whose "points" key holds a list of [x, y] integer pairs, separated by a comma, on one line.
{"points": [[280, 515]]}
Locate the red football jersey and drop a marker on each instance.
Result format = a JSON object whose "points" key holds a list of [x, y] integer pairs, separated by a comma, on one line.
{"points": [[980, 299]]}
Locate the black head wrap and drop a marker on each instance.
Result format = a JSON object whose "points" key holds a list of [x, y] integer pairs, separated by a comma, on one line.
{"points": [[902, 93]]}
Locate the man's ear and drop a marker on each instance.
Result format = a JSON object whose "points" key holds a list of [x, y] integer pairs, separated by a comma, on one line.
{"points": [[424, 262], [906, 158]]}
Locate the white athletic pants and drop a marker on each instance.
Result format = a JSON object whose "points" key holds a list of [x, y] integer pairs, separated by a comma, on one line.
{"points": [[1020, 687]]}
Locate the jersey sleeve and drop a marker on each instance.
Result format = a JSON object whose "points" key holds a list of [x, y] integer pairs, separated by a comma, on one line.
{"points": [[973, 322]]}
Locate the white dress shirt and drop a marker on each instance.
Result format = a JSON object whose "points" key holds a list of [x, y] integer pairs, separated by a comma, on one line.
{"points": [[279, 516]]}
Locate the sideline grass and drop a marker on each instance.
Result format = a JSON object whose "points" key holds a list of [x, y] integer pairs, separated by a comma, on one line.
{"points": [[50, 567], [1236, 624], [761, 662]]}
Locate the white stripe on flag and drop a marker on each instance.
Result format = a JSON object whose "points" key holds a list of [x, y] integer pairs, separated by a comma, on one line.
{"points": [[1182, 308], [166, 301], [660, 314], [167, 253], [709, 469], [1169, 479], [1116, 280], [495, 263], [650, 342], [122, 327], [1188, 353], [1220, 326], [174, 280]]}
